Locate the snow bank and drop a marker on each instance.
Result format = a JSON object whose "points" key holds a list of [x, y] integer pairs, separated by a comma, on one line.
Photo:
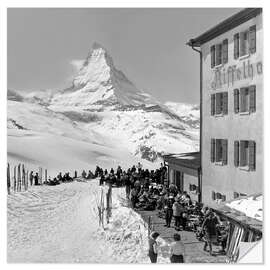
{"points": [[127, 234], [251, 206], [59, 224]]}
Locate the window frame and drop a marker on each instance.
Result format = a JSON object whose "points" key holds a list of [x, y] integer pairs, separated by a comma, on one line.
{"points": [[246, 53], [223, 105], [247, 154], [224, 55], [218, 151], [249, 48]]}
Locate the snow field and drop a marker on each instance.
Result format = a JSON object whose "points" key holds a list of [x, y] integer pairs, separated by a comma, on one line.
{"points": [[59, 224]]}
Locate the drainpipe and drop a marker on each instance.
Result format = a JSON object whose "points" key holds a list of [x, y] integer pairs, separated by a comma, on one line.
{"points": [[201, 121]]}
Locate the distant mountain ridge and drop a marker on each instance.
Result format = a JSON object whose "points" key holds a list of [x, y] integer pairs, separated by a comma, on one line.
{"points": [[102, 99]]}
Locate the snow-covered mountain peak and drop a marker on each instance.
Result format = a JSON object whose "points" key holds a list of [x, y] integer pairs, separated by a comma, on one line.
{"points": [[99, 82]]}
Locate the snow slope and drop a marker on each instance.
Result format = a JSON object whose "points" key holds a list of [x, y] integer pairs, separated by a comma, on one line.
{"points": [[38, 136], [187, 112], [104, 107], [40, 222]]}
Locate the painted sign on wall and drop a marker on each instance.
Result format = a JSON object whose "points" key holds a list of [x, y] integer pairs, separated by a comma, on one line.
{"points": [[227, 76]]}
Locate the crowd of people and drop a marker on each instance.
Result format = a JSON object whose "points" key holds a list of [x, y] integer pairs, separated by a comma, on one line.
{"points": [[147, 190]]}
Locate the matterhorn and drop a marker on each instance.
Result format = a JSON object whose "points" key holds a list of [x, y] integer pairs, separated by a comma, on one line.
{"points": [[100, 84], [105, 115]]}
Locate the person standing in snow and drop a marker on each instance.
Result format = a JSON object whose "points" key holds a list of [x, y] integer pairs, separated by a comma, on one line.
{"points": [[31, 177], [36, 179], [83, 174], [152, 252]]}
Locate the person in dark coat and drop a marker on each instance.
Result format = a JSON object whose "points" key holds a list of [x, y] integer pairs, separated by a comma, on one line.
{"points": [[84, 174], [31, 177], [102, 179], [152, 252], [210, 228], [36, 179]]}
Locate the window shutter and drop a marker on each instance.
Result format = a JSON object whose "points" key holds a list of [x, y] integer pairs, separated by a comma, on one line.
{"points": [[252, 155], [213, 104], [236, 100], [190, 187], [242, 99], [236, 45], [213, 150], [236, 153], [225, 103], [252, 98], [242, 153], [225, 51], [252, 39], [224, 151], [218, 103], [213, 195], [213, 60]]}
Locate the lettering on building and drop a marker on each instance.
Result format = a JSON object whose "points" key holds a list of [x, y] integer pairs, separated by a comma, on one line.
{"points": [[228, 76]]}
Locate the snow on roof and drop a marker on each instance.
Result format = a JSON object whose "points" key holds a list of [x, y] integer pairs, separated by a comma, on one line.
{"points": [[251, 206]]}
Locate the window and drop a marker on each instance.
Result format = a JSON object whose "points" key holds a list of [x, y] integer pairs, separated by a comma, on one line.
{"points": [[239, 194], [219, 53], [218, 196], [219, 151], [225, 51], [219, 103], [245, 154], [236, 45], [245, 99], [245, 42]]}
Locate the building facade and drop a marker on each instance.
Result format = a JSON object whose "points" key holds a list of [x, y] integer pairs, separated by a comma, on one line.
{"points": [[184, 172], [232, 107]]}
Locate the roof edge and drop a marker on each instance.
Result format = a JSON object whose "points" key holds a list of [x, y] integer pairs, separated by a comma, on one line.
{"points": [[226, 25]]}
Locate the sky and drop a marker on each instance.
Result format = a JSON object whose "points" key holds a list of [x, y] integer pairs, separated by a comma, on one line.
{"points": [[148, 45]]}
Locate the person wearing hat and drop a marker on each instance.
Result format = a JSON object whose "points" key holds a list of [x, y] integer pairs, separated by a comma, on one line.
{"points": [[152, 252], [177, 249]]}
